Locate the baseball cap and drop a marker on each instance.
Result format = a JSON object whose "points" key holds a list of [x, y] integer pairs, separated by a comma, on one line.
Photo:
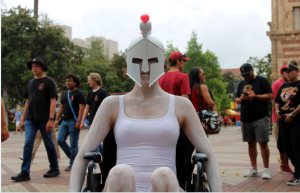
{"points": [[283, 68], [38, 60], [177, 55], [292, 66], [245, 69]]}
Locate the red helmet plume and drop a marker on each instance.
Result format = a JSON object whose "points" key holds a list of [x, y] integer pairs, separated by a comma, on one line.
{"points": [[145, 18]]}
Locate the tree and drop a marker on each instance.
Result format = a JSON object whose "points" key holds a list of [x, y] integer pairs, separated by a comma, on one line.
{"points": [[24, 38], [208, 61], [262, 66], [229, 78]]}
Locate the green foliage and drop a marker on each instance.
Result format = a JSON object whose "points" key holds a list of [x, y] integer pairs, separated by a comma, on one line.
{"points": [[24, 38], [228, 77], [170, 48], [262, 66], [208, 61]]}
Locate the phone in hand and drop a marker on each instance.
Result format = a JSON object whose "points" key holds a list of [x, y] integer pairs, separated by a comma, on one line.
{"points": [[245, 94], [283, 117]]}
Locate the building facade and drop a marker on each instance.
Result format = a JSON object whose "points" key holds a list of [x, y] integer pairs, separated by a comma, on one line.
{"points": [[110, 46], [284, 34]]}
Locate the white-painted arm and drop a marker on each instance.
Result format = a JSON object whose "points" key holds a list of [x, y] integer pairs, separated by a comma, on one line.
{"points": [[190, 122], [100, 127]]}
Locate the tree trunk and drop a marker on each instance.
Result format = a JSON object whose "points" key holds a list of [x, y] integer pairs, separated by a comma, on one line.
{"points": [[5, 98]]}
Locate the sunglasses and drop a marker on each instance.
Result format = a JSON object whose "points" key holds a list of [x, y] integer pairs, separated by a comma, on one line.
{"points": [[182, 55]]}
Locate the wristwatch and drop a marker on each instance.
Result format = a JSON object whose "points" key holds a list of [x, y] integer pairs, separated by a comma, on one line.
{"points": [[291, 115], [51, 118]]}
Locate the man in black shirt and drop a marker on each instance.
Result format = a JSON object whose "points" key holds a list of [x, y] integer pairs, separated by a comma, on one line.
{"points": [[253, 94], [71, 117], [94, 100], [38, 113]]}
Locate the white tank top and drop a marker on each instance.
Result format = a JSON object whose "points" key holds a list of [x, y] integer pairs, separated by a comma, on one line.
{"points": [[147, 144]]}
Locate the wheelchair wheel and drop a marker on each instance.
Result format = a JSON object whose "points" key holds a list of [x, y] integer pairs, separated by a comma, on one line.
{"points": [[199, 183]]}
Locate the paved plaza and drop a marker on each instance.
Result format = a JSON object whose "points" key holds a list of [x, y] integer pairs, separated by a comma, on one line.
{"points": [[228, 146]]}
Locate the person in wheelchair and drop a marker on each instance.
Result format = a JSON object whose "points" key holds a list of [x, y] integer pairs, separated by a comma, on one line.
{"points": [[146, 123]]}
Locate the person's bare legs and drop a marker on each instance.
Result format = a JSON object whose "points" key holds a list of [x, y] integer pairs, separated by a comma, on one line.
{"points": [[163, 179], [37, 143], [17, 129], [121, 178], [284, 159], [53, 135], [252, 150], [265, 153]]}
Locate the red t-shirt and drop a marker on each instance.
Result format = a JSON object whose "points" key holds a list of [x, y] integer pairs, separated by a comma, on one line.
{"points": [[275, 88], [195, 100], [176, 83]]}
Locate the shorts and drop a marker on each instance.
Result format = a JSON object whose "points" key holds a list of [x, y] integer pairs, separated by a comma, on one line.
{"points": [[257, 131], [17, 123]]}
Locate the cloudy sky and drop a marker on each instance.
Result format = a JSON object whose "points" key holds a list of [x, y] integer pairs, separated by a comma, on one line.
{"points": [[233, 29]]}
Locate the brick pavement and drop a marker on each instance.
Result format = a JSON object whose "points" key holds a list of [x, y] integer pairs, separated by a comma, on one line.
{"points": [[228, 146]]}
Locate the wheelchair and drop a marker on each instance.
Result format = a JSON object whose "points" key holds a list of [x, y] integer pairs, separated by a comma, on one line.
{"points": [[188, 181]]}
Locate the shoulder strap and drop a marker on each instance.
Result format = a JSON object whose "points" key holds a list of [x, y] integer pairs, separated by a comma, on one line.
{"points": [[71, 106], [200, 104]]}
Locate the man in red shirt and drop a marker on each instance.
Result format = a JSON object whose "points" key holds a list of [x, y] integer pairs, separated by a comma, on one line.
{"points": [[174, 81], [284, 167]]}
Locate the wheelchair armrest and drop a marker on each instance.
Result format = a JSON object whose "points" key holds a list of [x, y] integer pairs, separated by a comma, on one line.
{"points": [[93, 156], [199, 157]]}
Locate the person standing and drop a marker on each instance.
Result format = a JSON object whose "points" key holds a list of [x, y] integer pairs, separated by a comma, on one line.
{"points": [[17, 118], [175, 82], [94, 100], [253, 94], [287, 108], [40, 95], [284, 166], [72, 116]]}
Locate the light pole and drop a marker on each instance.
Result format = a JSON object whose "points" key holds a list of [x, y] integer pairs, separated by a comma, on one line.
{"points": [[36, 8]]}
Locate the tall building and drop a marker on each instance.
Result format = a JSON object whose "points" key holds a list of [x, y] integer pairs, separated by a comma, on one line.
{"points": [[110, 46], [284, 34]]}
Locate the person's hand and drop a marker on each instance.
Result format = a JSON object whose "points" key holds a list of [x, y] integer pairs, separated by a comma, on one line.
{"points": [[49, 125], [250, 97], [13, 121], [82, 126], [288, 118], [242, 98], [278, 115], [78, 125], [56, 124], [4, 134], [22, 126]]}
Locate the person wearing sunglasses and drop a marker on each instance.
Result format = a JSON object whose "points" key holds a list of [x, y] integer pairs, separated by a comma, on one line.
{"points": [[254, 94], [287, 108], [175, 82]]}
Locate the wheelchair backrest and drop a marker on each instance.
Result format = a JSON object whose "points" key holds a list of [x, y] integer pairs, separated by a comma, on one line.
{"points": [[184, 152]]}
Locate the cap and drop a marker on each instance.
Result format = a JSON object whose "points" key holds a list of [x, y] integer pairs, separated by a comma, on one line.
{"points": [[283, 68], [292, 66], [38, 60], [177, 55], [245, 69]]}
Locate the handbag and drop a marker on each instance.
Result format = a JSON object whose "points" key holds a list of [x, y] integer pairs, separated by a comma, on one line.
{"points": [[210, 122], [71, 106]]}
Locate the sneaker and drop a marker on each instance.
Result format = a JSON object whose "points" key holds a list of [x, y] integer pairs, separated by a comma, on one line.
{"points": [[293, 181], [279, 160], [21, 157], [251, 172], [286, 170], [52, 173], [266, 174], [23, 176], [68, 168]]}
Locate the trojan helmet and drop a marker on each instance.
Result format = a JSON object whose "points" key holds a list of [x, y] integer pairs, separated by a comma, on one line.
{"points": [[145, 47]]}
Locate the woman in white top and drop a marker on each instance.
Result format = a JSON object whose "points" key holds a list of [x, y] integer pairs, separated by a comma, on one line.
{"points": [[146, 124]]}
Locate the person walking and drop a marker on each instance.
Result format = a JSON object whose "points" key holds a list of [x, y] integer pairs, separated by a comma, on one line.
{"points": [[72, 107], [175, 82], [284, 166], [17, 118], [287, 108], [253, 93], [40, 95], [93, 102], [4, 129]]}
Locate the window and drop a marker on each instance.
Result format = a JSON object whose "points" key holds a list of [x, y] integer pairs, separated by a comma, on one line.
{"points": [[296, 17]]}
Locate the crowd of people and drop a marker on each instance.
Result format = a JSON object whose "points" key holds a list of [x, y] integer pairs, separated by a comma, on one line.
{"points": [[147, 120]]}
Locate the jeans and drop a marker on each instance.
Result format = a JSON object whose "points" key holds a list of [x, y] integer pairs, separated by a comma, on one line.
{"points": [[290, 135], [69, 128], [31, 128]]}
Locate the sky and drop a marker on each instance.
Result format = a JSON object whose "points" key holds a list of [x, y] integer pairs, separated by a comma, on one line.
{"points": [[233, 29]]}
